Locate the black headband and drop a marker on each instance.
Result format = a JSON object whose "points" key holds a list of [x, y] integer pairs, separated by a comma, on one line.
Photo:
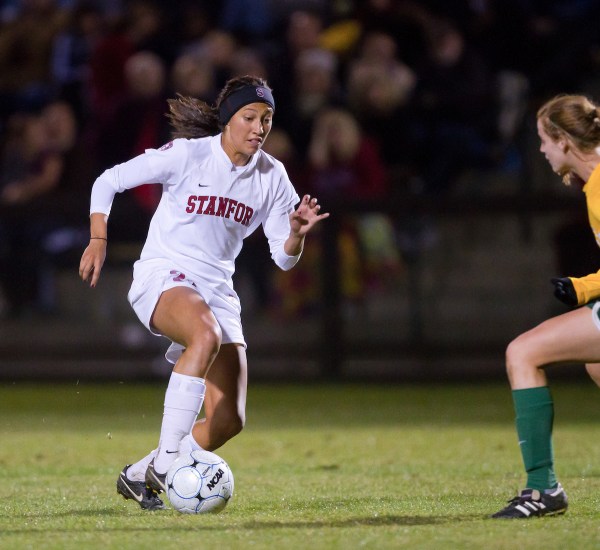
{"points": [[244, 96]]}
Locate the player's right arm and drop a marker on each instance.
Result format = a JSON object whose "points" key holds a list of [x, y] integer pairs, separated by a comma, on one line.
{"points": [[119, 178], [152, 167], [94, 255]]}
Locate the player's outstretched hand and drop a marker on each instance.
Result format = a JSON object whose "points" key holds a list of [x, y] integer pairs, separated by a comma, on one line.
{"points": [[306, 216], [564, 290], [92, 261]]}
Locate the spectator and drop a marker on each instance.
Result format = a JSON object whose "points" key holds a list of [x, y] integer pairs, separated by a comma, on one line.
{"points": [[25, 46], [345, 169], [138, 123], [71, 54], [196, 20], [30, 208], [248, 20], [315, 86], [192, 75], [248, 61], [345, 165], [302, 32], [380, 88], [218, 48], [144, 26], [453, 107]]}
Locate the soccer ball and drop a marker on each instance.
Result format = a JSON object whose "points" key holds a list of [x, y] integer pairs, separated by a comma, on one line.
{"points": [[199, 482]]}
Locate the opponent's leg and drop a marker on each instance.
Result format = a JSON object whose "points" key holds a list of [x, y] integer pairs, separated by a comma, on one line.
{"points": [[571, 337], [534, 417]]}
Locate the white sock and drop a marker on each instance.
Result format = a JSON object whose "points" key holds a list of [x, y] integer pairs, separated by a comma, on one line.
{"points": [[183, 401], [188, 444], [137, 471]]}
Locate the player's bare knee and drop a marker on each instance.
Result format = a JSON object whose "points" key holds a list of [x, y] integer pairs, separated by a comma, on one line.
{"points": [[208, 339], [516, 353], [524, 360]]}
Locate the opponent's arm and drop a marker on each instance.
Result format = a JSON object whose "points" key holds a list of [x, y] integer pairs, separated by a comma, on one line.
{"points": [[564, 290], [584, 289], [576, 291]]}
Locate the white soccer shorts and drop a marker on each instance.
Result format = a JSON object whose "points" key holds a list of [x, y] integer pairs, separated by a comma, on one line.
{"points": [[151, 279]]}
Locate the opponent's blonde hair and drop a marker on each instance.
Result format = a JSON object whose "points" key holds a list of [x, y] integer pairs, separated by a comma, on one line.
{"points": [[574, 117]]}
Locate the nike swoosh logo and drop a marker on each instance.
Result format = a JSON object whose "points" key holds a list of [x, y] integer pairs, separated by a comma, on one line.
{"points": [[137, 497], [171, 452], [202, 185]]}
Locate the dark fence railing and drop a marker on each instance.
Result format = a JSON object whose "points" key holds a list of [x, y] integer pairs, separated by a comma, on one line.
{"points": [[331, 346]]}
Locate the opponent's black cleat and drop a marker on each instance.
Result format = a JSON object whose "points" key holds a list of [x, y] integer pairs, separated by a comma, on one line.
{"points": [[531, 503], [154, 480], [138, 491]]}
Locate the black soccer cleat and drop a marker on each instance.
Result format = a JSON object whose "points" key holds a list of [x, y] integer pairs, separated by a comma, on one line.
{"points": [[138, 491], [157, 482], [533, 503]]}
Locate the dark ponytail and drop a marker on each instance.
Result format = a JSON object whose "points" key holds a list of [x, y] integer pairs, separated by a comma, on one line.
{"points": [[192, 118]]}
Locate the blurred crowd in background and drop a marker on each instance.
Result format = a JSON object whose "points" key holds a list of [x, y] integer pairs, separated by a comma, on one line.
{"points": [[373, 97]]}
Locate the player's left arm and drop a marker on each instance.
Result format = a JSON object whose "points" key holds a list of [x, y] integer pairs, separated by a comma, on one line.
{"points": [[286, 229], [302, 220]]}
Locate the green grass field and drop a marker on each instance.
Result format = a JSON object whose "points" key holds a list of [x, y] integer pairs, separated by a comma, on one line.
{"points": [[318, 466]]}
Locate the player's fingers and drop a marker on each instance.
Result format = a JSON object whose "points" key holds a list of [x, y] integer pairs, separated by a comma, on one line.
{"points": [[95, 273], [85, 271], [89, 270], [299, 218]]}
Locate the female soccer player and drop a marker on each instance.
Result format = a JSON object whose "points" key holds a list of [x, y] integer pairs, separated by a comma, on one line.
{"points": [[218, 186], [569, 129]]}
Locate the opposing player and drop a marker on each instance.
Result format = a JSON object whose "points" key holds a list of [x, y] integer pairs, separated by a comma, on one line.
{"points": [[569, 130], [218, 186]]}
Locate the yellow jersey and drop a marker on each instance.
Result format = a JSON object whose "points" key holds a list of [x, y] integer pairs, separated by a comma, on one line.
{"points": [[588, 287]]}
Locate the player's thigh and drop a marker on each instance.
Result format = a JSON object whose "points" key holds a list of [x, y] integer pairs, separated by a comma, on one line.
{"points": [[571, 337], [181, 314], [227, 384]]}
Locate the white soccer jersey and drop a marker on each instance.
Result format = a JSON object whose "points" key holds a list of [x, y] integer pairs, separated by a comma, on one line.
{"points": [[208, 205]]}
